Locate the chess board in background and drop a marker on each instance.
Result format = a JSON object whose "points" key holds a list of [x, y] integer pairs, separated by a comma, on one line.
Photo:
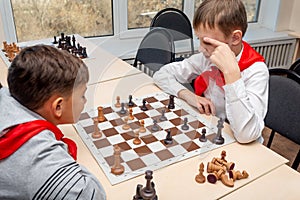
{"points": [[152, 153]]}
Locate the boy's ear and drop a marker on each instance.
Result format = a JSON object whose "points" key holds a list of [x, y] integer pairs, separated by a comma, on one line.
{"points": [[57, 107], [236, 37]]}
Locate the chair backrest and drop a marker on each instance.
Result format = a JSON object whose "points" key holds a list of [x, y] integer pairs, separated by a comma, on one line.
{"points": [[155, 50], [176, 22], [296, 66], [283, 114]]}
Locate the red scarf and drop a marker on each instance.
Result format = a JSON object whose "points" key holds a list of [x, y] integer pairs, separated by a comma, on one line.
{"points": [[18, 135], [249, 56]]}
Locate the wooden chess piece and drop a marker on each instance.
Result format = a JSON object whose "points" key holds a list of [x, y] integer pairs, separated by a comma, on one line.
{"points": [[148, 192], [96, 133], [211, 167], [237, 175], [223, 155], [213, 177], [200, 178], [130, 116], [226, 181], [136, 140], [101, 117], [142, 128], [117, 168], [118, 104], [126, 125]]}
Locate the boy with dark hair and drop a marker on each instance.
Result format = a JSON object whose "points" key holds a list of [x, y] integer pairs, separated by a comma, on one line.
{"points": [[231, 78], [46, 88]]}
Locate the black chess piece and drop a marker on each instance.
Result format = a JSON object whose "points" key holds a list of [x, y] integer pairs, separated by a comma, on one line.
{"points": [[219, 139], [185, 126], [203, 137], [123, 110], [168, 139], [163, 117], [55, 40], [144, 107], [171, 102], [155, 126], [148, 192], [137, 196], [130, 102], [73, 41], [84, 53]]}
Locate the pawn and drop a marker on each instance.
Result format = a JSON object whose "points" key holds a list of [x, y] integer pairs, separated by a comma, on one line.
{"points": [[144, 107], [96, 133], [142, 128], [123, 110], [200, 178], [101, 117], [203, 137], [185, 126], [136, 140], [118, 104], [155, 126], [130, 116], [126, 125], [117, 168], [130, 102]]}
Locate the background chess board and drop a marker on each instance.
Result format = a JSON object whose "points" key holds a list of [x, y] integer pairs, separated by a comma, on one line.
{"points": [[152, 153]]}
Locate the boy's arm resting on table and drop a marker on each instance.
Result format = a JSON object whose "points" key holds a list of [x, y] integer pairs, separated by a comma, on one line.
{"points": [[247, 102]]}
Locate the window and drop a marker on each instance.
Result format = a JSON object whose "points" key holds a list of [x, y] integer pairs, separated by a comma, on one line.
{"points": [[252, 8], [140, 13], [37, 19]]}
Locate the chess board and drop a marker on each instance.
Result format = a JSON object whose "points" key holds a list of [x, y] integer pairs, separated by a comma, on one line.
{"points": [[152, 153]]}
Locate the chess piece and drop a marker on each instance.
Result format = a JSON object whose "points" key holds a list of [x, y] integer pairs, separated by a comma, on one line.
{"points": [[200, 178], [203, 137], [155, 126], [55, 40], [211, 167], [237, 175], [123, 111], [168, 139], [163, 117], [185, 126], [227, 181], [126, 125], [148, 192], [96, 133], [223, 155], [130, 116], [142, 127], [219, 139], [214, 176], [137, 195], [130, 102], [171, 102], [117, 168], [144, 107], [118, 104], [136, 140], [101, 117]]}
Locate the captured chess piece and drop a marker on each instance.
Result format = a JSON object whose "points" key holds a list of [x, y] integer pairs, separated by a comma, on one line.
{"points": [[144, 107], [171, 102], [118, 104], [200, 178], [148, 192], [168, 139], [211, 167], [215, 176], [203, 137], [101, 117], [96, 133], [185, 126], [137, 139], [142, 127], [117, 168], [237, 175], [219, 138]]}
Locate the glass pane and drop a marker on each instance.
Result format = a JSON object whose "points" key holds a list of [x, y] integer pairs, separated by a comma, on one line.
{"points": [[252, 7], [37, 19], [140, 13]]}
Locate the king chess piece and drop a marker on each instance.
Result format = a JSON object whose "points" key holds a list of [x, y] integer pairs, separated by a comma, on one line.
{"points": [[148, 192]]}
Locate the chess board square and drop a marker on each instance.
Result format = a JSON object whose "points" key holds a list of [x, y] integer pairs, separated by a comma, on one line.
{"points": [[181, 138], [190, 146], [160, 135], [160, 110], [112, 116], [89, 129], [128, 135], [129, 155], [165, 125], [157, 105], [134, 125], [164, 154], [150, 128], [156, 146], [140, 116], [105, 125], [174, 143], [193, 134], [176, 121], [106, 151], [150, 159], [107, 110], [165, 102], [83, 116], [148, 139], [175, 131], [136, 164], [196, 124], [211, 137], [150, 99], [86, 122], [148, 106], [102, 143], [177, 150], [117, 122], [181, 112], [143, 150], [111, 159], [115, 139], [110, 132], [124, 146]]}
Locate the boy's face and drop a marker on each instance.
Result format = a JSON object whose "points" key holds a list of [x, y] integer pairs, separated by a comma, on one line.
{"points": [[214, 33], [75, 104]]}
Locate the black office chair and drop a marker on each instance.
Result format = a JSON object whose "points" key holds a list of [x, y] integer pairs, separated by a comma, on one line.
{"points": [[283, 114], [296, 66], [177, 23], [155, 50]]}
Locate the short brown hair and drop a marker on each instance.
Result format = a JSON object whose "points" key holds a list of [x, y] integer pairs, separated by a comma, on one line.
{"points": [[40, 71], [228, 15]]}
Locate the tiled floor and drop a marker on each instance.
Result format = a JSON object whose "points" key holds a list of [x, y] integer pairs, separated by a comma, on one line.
{"points": [[282, 146]]}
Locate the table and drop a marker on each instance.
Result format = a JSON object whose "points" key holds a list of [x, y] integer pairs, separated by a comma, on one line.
{"points": [[102, 65], [175, 181]]}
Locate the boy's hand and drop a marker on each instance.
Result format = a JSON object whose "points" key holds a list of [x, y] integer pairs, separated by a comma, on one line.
{"points": [[204, 105], [224, 58]]}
